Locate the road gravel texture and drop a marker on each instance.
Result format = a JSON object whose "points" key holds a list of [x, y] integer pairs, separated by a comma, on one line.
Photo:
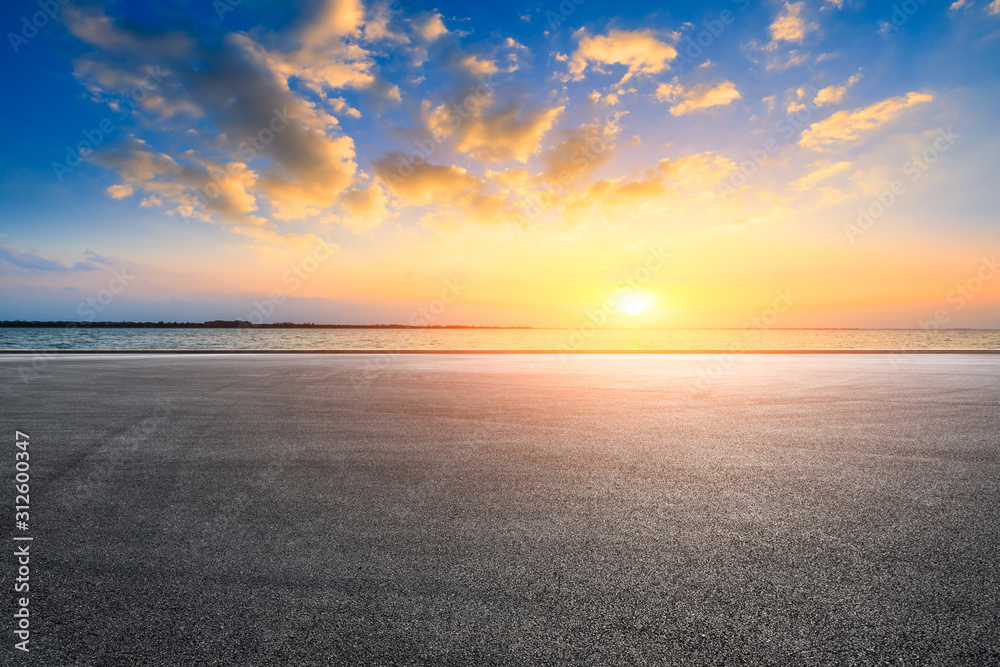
{"points": [[507, 509]]}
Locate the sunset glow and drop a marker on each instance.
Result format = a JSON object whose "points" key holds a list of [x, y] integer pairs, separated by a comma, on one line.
{"points": [[345, 162]]}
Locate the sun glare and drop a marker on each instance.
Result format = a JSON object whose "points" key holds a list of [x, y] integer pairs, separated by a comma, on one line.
{"points": [[636, 303]]}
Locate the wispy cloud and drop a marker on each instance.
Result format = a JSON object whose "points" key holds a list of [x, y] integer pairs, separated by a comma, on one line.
{"points": [[697, 97], [849, 126], [32, 261]]}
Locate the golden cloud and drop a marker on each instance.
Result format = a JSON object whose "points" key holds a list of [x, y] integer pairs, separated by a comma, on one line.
{"points": [[488, 133], [849, 125], [701, 96], [581, 151], [789, 25], [834, 94], [821, 171], [641, 51], [695, 175]]}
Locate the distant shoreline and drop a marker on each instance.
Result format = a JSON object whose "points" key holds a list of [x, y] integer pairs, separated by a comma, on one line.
{"points": [[241, 324], [224, 324]]}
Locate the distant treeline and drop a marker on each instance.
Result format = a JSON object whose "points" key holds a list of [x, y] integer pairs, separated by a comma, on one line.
{"points": [[226, 324]]}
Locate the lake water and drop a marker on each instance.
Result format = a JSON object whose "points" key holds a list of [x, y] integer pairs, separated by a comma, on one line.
{"points": [[507, 339]]}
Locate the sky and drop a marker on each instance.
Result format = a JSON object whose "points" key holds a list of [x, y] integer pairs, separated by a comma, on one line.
{"points": [[826, 163]]}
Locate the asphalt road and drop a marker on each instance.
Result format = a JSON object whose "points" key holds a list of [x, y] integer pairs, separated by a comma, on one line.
{"points": [[506, 509]]}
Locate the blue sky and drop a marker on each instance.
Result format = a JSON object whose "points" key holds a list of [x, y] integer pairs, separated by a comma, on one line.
{"points": [[596, 130]]}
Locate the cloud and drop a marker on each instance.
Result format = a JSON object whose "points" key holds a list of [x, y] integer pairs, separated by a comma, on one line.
{"points": [[378, 24], [486, 131], [789, 25], [365, 207], [97, 259], [95, 28], [477, 66], [994, 8], [34, 262], [666, 92], [774, 58], [457, 194], [700, 96], [335, 19], [325, 53], [195, 189], [258, 142], [641, 51], [849, 125], [834, 94], [696, 175], [423, 184], [581, 151], [782, 61], [120, 191], [959, 4], [429, 26], [821, 171]]}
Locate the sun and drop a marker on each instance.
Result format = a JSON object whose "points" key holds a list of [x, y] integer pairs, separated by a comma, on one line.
{"points": [[636, 303]]}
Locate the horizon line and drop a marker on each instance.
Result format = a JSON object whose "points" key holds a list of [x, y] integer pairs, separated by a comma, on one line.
{"points": [[350, 351], [240, 324]]}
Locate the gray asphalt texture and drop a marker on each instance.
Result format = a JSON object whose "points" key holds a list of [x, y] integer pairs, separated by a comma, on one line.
{"points": [[507, 509]]}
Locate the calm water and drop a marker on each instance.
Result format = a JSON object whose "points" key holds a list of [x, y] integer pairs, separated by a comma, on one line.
{"points": [[422, 339]]}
